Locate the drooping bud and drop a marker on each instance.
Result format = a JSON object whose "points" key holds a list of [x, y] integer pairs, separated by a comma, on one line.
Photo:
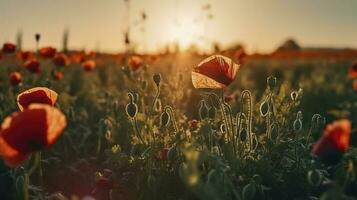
{"points": [[131, 108], [314, 177], [157, 79], [264, 108], [294, 95], [297, 125], [203, 110], [37, 37], [164, 119], [271, 82]]}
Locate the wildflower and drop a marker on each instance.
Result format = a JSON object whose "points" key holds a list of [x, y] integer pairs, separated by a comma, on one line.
{"points": [[61, 60], [15, 78], [89, 65], [57, 75], [334, 142], [352, 71], [135, 62], [47, 52], [214, 72], [41, 95], [9, 48], [192, 124], [24, 55], [32, 65], [34, 129]]}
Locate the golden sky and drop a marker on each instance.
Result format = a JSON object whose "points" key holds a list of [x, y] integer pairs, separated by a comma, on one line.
{"points": [[260, 25]]}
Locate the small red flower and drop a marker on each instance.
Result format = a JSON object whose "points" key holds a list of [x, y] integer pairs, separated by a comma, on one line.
{"points": [[352, 71], [57, 75], [334, 142], [47, 52], [34, 129], [192, 124], [135, 62], [32, 65], [15, 78], [61, 60], [214, 72], [9, 48], [77, 58], [41, 95], [24, 55], [354, 85], [89, 65]]}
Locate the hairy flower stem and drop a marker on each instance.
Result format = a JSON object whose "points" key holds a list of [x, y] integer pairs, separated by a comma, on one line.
{"points": [[155, 99], [247, 95], [137, 131], [170, 110]]}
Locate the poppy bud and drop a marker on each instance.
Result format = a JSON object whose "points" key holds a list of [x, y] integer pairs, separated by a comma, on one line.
{"points": [[243, 135], [271, 81], [203, 110], [294, 95], [212, 112], [264, 108], [314, 177], [297, 125], [37, 37], [157, 79], [164, 119], [131, 109], [158, 105]]}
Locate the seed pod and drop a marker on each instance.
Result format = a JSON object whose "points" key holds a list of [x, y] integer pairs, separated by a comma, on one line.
{"points": [[157, 79], [37, 37], [212, 112], [299, 115], [264, 108], [249, 191], [164, 119], [131, 109], [203, 111], [297, 125], [314, 177], [271, 82], [294, 95]]}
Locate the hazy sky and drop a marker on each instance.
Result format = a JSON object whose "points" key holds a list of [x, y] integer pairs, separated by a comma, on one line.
{"points": [[259, 24]]}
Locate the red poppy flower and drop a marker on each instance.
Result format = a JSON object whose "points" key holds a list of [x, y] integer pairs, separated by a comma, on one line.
{"points": [[334, 142], [41, 95], [32, 65], [352, 71], [34, 129], [77, 58], [135, 62], [47, 52], [9, 48], [89, 65], [354, 85], [61, 60], [57, 75], [24, 55], [192, 124], [15, 78], [214, 72]]}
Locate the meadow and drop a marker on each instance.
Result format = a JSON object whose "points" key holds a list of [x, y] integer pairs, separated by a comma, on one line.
{"points": [[177, 125]]}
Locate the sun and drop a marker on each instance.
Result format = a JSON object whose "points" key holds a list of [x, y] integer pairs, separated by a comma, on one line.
{"points": [[184, 31]]}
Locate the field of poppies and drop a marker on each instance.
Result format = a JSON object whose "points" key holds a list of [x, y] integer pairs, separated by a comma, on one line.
{"points": [[177, 125]]}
